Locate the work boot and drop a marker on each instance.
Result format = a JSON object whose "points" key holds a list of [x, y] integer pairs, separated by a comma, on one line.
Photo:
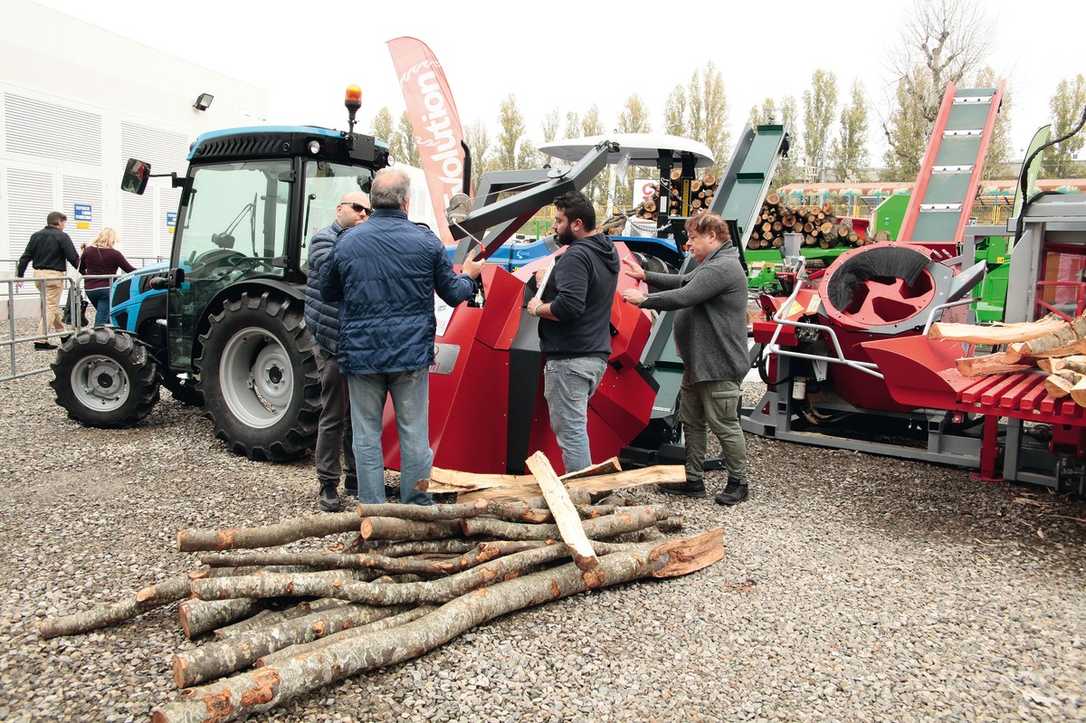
{"points": [[734, 493], [350, 487], [329, 498], [690, 488], [44, 346]]}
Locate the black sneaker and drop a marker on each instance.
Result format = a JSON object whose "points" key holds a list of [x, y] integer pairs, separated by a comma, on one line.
{"points": [[734, 493], [690, 488], [329, 498], [44, 346]]}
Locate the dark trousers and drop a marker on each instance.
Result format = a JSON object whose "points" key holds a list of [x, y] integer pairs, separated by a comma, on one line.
{"points": [[334, 433]]}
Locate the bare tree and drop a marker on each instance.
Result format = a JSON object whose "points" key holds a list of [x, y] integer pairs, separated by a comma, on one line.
{"points": [[675, 112], [944, 41], [999, 148], [382, 124], [511, 125], [551, 122], [819, 109], [849, 155], [478, 140], [402, 144], [1066, 107], [634, 118]]}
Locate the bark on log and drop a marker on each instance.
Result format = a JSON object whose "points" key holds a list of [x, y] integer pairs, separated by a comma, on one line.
{"points": [[1059, 384], [1073, 349], [391, 528], [1073, 363], [304, 648], [272, 685], [1065, 336], [275, 617], [566, 517], [161, 593], [657, 474], [201, 616], [289, 530], [331, 560], [995, 335], [215, 660], [513, 511], [628, 519], [417, 547]]}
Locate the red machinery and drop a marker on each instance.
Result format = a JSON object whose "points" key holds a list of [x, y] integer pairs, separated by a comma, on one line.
{"points": [[848, 362]]}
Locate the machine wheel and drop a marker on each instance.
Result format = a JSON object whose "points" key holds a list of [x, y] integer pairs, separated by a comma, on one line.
{"points": [[183, 389], [259, 378], [105, 378]]}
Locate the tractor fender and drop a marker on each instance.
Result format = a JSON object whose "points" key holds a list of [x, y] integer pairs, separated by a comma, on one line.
{"points": [[254, 287]]}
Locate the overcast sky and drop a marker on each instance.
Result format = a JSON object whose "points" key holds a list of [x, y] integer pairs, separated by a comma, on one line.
{"points": [[571, 55]]}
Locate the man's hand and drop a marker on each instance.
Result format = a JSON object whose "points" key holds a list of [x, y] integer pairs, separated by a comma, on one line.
{"points": [[634, 270], [634, 296], [533, 306], [471, 267]]}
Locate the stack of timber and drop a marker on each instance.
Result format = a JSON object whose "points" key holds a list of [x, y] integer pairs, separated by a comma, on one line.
{"points": [[702, 192], [276, 622], [817, 224], [1051, 344]]}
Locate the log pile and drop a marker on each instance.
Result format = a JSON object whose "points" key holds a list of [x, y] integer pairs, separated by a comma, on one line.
{"points": [[817, 224], [702, 192], [1051, 344], [276, 622]]}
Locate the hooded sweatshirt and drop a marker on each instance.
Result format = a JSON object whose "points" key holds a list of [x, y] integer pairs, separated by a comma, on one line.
{"points": [[580, 292]]}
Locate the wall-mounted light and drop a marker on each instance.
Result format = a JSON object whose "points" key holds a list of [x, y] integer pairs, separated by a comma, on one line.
{"points": [[203, 101]]}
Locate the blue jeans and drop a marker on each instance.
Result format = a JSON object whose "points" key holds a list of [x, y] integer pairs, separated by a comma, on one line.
{"points": [[411, 399], [568, 384], [99, 298]]}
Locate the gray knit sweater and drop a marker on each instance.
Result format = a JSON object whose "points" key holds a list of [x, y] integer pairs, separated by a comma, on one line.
{"points": [[711, 323]]}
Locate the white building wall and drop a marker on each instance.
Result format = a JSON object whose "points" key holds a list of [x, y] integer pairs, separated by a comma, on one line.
{"points": [[75, 102]]}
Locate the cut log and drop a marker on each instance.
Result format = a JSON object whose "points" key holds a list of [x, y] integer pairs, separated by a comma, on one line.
{"points": [[657, 474], [1075, 363], [216, 659], [566, 517], [333, 560], [1072, 349], [289, 530], [1078, 391], [384, 624], [445, 480], [161, 593], [999, 363], [201, 616], [515, 512], [272, 617], [1060, 384], [997, 334], [416, 547], [773, 198], [1065, 336], [628, 519], [391, 528], [269, 686]]}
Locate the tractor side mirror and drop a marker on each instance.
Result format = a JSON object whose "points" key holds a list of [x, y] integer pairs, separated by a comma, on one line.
{"points": [[136, 175]]}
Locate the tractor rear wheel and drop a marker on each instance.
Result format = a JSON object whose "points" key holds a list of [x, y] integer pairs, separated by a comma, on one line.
{"points": [[105, 378], [259, 377]]}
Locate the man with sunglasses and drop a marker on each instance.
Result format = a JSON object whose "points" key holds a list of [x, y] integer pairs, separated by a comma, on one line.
{"points": [[322, 319]]}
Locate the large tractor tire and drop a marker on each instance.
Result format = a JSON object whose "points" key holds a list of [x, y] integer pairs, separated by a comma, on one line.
{"points": [[105, 377], [259, 378]]}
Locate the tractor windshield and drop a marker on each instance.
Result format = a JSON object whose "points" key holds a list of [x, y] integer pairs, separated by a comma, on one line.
{"points": [[325, 184]]}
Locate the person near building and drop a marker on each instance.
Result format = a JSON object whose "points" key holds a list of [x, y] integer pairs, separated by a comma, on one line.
{"points": [[102, 259], [49, 250], [385, 273], [711, 337], [334, 433], [574, 313]]}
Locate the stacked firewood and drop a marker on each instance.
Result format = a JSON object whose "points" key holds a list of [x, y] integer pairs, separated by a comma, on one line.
{"points": [[702, 192], [279, 622], [817, 224], [1051, 344]]}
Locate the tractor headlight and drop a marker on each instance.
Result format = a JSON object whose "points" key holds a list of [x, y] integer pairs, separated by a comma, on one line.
{"points": [[314, 147]]}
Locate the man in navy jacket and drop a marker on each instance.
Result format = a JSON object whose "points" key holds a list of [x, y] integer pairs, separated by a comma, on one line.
{"points": [[384, 274], [322, 319]]}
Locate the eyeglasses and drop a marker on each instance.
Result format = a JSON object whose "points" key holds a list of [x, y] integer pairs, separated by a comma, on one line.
{"points": [[358, 208]]}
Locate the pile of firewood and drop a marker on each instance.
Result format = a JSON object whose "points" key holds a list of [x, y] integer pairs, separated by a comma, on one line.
{"points": [[817, 224], [280, 622], [702, 191], [1051, 344]]}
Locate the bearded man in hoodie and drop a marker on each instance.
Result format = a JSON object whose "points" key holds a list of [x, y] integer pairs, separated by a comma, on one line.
{"points": [[574, 313]]}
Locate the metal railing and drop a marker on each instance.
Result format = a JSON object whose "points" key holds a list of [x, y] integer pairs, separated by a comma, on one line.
{"points": [[8, 267], [75, 288], [774, 348]]}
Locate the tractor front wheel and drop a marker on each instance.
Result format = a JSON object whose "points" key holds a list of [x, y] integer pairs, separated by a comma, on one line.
{"points": [[259, 378]]}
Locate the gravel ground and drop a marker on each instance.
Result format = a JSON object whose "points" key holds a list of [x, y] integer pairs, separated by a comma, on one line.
{"points": [[854, 587]]}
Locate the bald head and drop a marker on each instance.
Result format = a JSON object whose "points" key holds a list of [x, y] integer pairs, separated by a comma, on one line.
{"points": [[353, 209], [391, 188]]}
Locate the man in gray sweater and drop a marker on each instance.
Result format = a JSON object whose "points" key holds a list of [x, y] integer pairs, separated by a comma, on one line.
{"points": [[711, 337]]}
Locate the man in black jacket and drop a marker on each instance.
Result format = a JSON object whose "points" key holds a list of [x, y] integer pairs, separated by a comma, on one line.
{"points": [[48, 250], [334, 432], [575, 324]]}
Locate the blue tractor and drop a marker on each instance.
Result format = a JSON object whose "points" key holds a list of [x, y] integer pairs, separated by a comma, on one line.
{"points": [[221, 323]]}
